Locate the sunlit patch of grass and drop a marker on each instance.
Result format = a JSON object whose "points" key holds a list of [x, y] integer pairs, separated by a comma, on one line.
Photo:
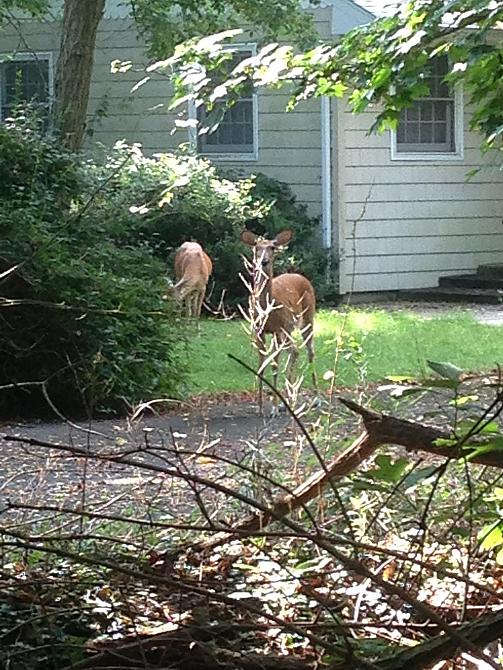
{"points": [[362, 344]]}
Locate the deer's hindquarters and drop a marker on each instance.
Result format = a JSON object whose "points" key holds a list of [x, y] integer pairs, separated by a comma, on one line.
{"points": [[192, 271]]}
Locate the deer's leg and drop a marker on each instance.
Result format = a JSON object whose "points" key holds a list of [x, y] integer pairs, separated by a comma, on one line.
{"points": [[193, 305], [199, 296], [293, 354], [277, 346], [308, 337]]}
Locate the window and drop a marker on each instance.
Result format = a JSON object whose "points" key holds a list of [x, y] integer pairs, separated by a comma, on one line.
{"points": [[431, 128], [25, 78], [235, 136]]}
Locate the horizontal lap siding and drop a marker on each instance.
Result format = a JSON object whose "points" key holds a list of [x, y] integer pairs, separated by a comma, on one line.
{"points": [[289, 147], [141, 116], [404, 224]]}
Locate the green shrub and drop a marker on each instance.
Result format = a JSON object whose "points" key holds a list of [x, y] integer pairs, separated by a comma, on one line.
{"points": [[176, 197], [85, 309], [171, 198]]}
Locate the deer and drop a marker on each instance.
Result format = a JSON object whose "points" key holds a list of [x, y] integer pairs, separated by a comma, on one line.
{"points": [[279, 304], [193, 268]]}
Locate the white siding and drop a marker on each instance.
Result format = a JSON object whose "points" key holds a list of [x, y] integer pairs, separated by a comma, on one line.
{"points": [[404, 224]]}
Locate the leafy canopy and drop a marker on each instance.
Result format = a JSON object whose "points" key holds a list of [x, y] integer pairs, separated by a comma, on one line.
{"points": [[387, 62], [34, 8], [166, 23]]}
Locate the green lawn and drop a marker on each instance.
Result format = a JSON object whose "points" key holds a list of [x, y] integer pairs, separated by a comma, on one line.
{"points": [[372, 343]]}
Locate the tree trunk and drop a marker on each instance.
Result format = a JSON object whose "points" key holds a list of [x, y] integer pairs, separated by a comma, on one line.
{"points": [[74, 70]]}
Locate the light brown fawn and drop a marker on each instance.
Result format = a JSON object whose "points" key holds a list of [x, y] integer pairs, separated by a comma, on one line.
{"points": [[193, 268], [279, 304]]}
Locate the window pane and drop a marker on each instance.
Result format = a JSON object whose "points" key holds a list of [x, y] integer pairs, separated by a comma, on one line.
{"points": [[440, 110], [24, 81], [426, 133], [426, 110], [440, 134], [209, 139], [412, 133], [235, 132], [413, 113], [428, 126], [237, 135], [248, 134]]}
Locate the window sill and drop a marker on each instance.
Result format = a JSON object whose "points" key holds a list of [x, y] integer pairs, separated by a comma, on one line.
{"points": [[237, 158], [431, 158]]}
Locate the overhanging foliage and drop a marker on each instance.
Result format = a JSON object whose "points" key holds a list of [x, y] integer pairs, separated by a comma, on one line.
{"points": [[386, 63]]}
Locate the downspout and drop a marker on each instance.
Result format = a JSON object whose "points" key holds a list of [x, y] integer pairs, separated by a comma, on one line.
{"points": [[326, 174]]}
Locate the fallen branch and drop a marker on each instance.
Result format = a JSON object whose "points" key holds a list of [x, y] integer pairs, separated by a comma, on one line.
{"points": [[188, 648], [387, 429], [361, 449], [380, 429]]}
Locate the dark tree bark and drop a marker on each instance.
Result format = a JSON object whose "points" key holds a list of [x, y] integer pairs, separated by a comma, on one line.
{"points": [[74, 70]]}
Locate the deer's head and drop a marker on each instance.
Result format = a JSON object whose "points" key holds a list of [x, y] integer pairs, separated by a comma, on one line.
{"points": [[264, 250]]}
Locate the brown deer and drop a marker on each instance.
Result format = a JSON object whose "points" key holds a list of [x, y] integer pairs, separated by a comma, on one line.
{"points": [[279, 304], [193, 268]]}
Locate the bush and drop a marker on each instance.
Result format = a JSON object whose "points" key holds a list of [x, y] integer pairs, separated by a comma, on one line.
{"points": [[166, 200], [172, 198], [85, 308]]}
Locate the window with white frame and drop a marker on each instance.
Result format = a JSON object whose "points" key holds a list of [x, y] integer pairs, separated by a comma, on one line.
{"points": [[25, 78], [431, 127], [235, 135]]}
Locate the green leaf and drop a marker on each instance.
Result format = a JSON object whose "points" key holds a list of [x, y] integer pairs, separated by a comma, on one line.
{"points": [[491, 536], [491, 427], [417, 476], [463, 400], [318, 563], [495, 444], [446, 370], [388, 470]]}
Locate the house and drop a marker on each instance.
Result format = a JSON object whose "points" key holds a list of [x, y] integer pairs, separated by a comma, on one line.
{"points": [[395, 208]]}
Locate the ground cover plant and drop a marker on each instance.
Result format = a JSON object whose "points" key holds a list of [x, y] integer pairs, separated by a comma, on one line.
{"points": [[364, 344]]}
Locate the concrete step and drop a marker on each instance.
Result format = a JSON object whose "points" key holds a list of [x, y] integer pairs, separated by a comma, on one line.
{"points": [[491, 270], [471, 281], [486, 296]]}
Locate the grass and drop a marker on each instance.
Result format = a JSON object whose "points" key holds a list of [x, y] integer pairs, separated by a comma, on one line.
{"points": [[372, 344]]}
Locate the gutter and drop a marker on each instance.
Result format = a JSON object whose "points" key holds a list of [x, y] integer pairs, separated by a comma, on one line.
{"points": [[326, 173]]}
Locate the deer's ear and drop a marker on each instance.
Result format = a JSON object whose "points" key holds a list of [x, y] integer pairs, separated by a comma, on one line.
{"points": [[283, 238], [248, 238]]}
